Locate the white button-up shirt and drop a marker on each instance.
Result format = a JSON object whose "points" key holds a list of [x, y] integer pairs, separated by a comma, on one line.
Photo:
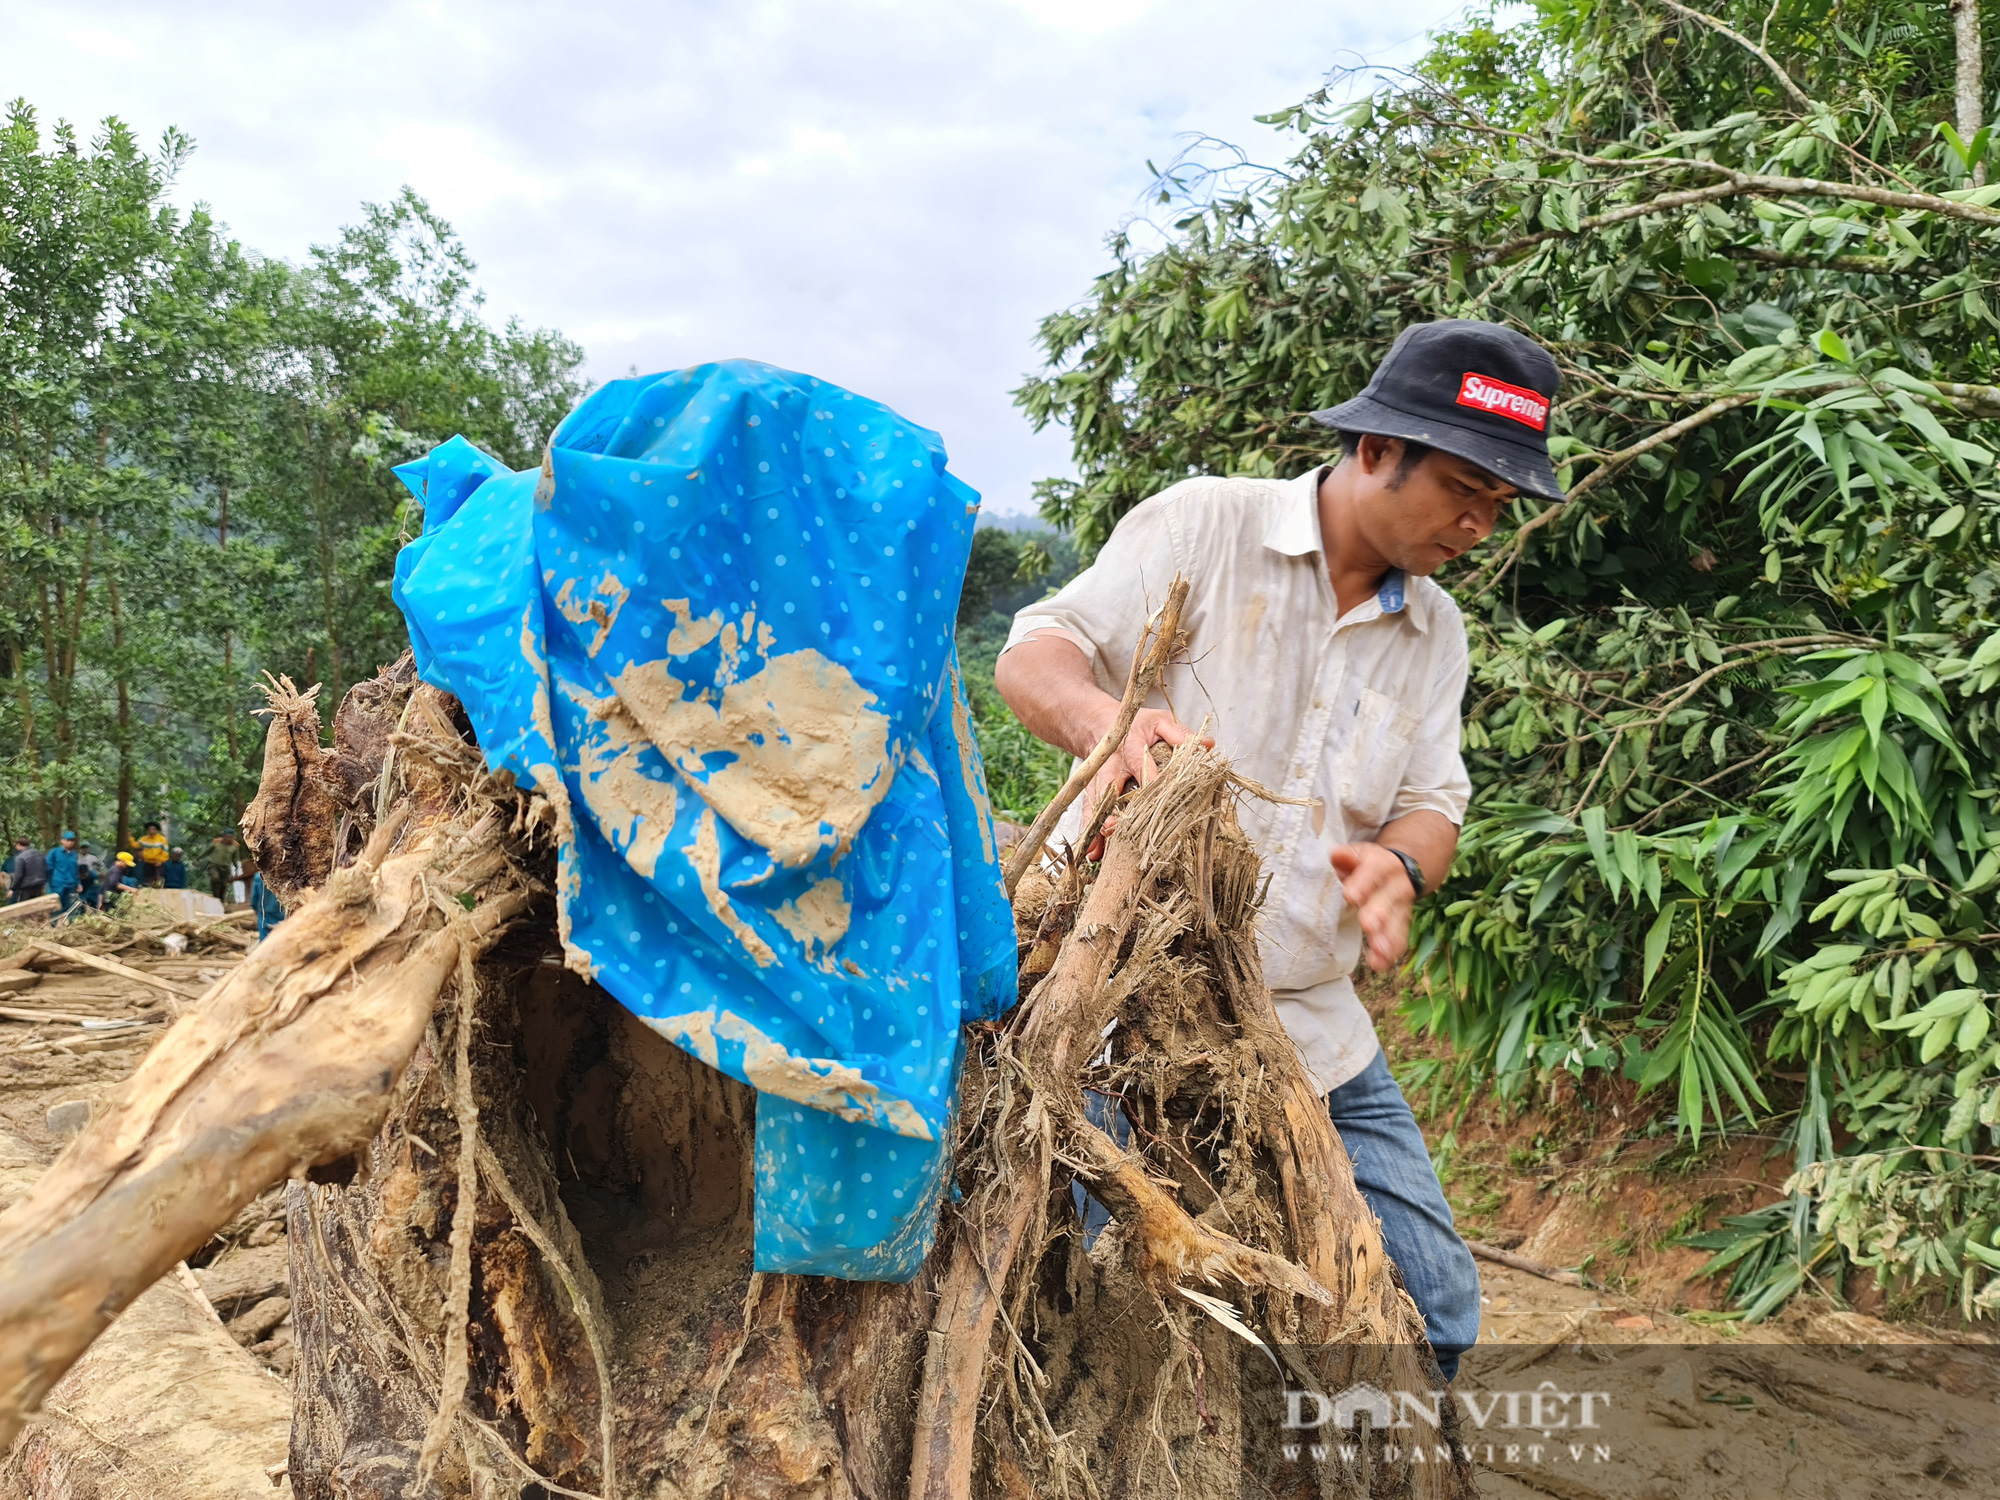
{"points": [[1357, 716]]}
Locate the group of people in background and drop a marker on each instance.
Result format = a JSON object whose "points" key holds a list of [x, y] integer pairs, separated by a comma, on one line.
{"points": [[84, 881]]}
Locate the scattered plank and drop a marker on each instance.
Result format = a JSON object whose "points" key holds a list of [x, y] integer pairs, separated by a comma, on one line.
{"points": [[95, 1041], [38, 910], [1533, 1267], [21, 1013], [112, 966], [13, 981], [239, 1279]]}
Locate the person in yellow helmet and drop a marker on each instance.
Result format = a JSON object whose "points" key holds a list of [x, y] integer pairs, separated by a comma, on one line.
{"points": [[119, 877], [152, 847]]}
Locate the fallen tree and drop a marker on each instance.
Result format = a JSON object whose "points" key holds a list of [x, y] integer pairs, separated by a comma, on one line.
{"points": [[165, 1406], [521, 1221]]}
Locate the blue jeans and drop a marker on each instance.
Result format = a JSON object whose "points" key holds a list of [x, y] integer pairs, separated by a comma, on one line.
{"points": [[1392, 1167]]}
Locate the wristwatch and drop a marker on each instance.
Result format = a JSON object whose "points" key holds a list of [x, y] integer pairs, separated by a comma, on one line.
{"points": [[1412, 869]]}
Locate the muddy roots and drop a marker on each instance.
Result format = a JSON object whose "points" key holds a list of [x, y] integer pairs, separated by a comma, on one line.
{"points": [[521, 1221], [1148, 1066]]}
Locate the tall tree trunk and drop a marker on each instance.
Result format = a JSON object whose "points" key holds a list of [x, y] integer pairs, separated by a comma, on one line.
{"points": [[25, 695], [122, 839], [49, 601], [234, 790], [62, 630], [1971, 72], [328, 587]]}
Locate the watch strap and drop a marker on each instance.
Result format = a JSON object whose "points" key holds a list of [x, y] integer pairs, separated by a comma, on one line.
{"points": [[1412, 869]]}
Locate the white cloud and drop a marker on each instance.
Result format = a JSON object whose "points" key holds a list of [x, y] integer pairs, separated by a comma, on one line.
{"points": [[1082, 17], [887, 193], [811, 142]]}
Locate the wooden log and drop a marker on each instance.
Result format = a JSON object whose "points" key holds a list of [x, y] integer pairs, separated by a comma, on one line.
{"points": [[165, 1404], [39, 909], [290, 1063], [240, 1278], [111, 966]]}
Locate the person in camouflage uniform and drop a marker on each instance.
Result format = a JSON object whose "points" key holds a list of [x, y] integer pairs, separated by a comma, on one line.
{"points": [[223, 855]]}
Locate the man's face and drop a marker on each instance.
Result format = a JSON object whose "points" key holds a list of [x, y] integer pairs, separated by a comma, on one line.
{"points": [[1442, 507]]}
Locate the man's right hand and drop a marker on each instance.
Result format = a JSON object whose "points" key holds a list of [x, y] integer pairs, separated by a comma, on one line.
{"points": [[1131, 761], [1046, 680]]}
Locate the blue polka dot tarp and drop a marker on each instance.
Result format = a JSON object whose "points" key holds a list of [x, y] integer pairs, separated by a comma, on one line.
{"points": [[715, 631]]}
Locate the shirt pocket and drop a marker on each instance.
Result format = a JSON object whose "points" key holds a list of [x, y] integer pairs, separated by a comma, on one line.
{"points": [[1371, 765]]}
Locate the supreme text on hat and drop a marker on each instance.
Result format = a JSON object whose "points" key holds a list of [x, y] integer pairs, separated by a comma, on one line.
{"points": [[1484, 393]]}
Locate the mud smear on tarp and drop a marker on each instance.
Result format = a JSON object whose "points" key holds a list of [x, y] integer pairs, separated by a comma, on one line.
{"points": [[807, 757], [705, 854], [630, 804]]}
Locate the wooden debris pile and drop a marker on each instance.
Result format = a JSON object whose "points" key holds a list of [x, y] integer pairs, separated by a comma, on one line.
{"points": [[520, 1221]]}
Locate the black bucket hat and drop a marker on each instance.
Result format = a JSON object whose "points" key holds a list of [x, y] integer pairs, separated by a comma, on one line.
{"points": [[1473, 389]]}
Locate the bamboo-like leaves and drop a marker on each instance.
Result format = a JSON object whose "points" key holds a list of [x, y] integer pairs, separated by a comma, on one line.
{"points": [[1751, 671]]}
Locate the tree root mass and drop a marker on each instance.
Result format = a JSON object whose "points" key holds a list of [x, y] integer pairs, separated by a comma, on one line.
{"points": [[467, 1124]]}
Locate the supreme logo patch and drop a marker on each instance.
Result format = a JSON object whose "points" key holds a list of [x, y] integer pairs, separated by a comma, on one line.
{"points": [[1484, 393]]}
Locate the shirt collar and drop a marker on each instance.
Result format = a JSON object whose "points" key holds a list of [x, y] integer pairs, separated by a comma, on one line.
{"points": [[1294, 532], [1294, 525]]}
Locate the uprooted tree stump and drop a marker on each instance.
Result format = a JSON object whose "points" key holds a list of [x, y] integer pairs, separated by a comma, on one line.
{"points": [[521, 1221]]}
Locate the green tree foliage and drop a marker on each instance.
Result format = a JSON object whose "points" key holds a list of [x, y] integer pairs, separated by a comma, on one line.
{"points": [[998, 563], [1731, 723], [194, 467], [389, 357], [1006, 570]]}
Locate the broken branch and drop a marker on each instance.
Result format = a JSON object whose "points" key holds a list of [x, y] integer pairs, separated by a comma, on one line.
{"points": [[112, 966], [1148, 665]]}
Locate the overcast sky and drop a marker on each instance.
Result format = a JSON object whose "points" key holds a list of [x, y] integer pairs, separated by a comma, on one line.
{"points": [[885, 193]]}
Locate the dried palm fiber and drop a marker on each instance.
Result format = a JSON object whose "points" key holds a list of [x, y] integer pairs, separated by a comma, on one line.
{"points": [[596, 1233], [1158, 954]]}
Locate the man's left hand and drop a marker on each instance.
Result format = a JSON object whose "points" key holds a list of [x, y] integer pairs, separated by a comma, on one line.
{"points": [[1378, 887]]}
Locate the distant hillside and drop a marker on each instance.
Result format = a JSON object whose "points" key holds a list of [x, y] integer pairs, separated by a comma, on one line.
{"points": [[1020, 521]]}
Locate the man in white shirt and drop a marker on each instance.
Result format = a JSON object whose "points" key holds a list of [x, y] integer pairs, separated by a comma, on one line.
{"points": [[1329, 668]]}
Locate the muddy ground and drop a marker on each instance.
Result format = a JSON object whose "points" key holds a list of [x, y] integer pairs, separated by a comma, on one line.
{"points": [[1828, 1400]]}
